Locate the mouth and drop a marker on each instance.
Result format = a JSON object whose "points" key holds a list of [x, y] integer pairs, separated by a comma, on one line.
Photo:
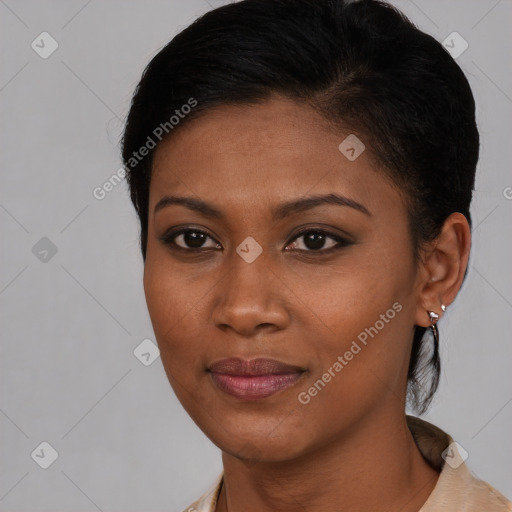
{"points": [[253, 379]]}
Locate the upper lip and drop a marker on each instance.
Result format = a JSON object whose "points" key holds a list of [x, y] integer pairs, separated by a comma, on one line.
{"points": [[252, 367]]}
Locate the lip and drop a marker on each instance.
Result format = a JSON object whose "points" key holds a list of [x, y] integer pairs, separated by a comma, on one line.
{"points": [[253, 379]]}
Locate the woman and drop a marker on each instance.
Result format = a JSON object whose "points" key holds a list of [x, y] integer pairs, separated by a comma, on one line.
{"points": [[303, 171]]}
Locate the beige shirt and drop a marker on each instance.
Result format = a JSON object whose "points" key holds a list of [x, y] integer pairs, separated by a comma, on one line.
{"points": [[456, 490]]}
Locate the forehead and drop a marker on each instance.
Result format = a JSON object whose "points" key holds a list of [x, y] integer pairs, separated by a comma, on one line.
{"points": [[265, 153]]}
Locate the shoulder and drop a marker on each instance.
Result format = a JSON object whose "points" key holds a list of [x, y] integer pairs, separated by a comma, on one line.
{"points": [[208, 501], [457, 488]]}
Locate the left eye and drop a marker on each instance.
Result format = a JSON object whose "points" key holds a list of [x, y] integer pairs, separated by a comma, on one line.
{"points": [[315, 240]]}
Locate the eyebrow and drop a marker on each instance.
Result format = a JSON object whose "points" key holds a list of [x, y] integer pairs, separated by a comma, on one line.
{"points": [[279, 212]]}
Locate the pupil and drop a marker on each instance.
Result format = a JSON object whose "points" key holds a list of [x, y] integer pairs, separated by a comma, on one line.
{"points": [[193, 239], [314, 240]]}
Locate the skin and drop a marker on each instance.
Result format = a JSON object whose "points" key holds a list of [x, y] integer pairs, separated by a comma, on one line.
{"points": [[349, 448]]}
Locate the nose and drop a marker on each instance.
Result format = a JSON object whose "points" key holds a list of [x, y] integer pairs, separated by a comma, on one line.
{"points": [[250, 298]]}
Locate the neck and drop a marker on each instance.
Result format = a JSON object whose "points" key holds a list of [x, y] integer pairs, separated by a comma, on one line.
{"points": [[377, 466]]}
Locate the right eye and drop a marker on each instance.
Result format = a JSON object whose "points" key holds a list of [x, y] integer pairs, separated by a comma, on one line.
{"points": [[188, 239]]}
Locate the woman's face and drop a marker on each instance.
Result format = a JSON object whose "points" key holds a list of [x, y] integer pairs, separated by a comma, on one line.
{"points": [[335, 306]]}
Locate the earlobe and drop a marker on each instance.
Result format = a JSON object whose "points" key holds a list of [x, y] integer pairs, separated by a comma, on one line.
{"points": [[443, 269]]}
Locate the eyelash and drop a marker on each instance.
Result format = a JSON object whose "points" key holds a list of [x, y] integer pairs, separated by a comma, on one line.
{"points": [[168, 239]]}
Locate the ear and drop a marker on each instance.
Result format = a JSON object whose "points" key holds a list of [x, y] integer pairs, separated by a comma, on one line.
{"points": [[442, 269]]}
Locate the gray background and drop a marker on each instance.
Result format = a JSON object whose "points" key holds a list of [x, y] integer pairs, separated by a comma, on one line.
{"points": [[70, 324]]}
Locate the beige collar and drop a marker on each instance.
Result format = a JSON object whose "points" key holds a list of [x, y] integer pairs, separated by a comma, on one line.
{"points": [[456, 488]]}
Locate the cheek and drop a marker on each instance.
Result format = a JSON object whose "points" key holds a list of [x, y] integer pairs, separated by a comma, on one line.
{"points": [[348, 298], [365, 325], [359, 368], [172, 305]]}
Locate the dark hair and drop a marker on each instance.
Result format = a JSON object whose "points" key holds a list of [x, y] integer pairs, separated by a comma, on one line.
{"points": [[363, 66]]}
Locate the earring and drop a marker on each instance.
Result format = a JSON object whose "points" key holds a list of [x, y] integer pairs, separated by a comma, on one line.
{"points": [[434, 317], [443, 307]]}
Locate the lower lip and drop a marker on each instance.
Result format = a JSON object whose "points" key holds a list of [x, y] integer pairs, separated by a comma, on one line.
{"points": [[254, 387]]}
